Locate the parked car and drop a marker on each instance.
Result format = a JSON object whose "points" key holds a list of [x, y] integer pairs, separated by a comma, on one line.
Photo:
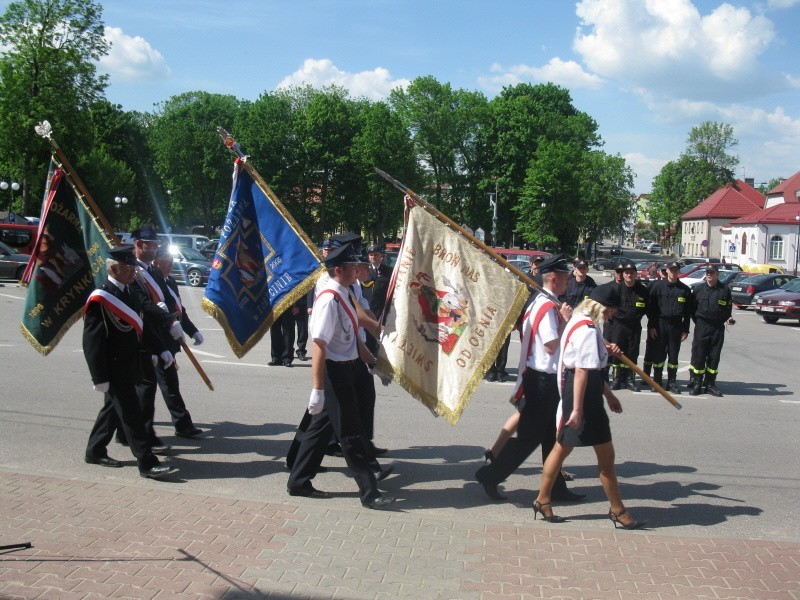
{"points": [[184, 240], [20, 237], [12, 264], [643, 244], [693, 260], [615, 249], [698, 269], [610, 263], [742, 292], [654, 248], [783, 303], [209, 249], [725, 277], [647, 270], [189, 266]]}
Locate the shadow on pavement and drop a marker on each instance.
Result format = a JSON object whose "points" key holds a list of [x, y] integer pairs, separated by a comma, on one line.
{"points": [[750, 388]]}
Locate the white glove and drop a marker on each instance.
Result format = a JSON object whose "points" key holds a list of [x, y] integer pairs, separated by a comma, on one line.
{"points": [[317, 402], [175, 331], [154, 360], [167, 358], [162, 306], [101, 387], [198, 338]]}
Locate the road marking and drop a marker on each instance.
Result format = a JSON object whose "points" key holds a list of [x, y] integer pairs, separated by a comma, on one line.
{"points": [[241, 364], [791, 401], [10, 296], [202, 353]]}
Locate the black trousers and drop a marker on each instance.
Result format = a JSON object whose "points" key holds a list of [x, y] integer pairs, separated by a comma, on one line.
{"points": [[121, 410], [301, 321], [626, 333], [707, 347], [499, 365], [537, 426], [340, 417], [146, 391], [170, 388], [667, 344], [365, 391], [281, 336]]}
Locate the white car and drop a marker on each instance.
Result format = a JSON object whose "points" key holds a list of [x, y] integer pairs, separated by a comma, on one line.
{"points": [[653, 247]]}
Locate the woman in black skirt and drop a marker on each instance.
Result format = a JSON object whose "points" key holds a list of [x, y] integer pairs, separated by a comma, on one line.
{"points": [[582, 419]]}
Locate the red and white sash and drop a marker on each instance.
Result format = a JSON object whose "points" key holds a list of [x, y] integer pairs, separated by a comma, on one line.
{"points": [[559, 412], [344, 304], [156, 295], [177, 299], [116, 306], [528, 337]]}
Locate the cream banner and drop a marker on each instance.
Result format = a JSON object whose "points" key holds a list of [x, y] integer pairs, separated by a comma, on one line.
{"points": [[452, 308]]}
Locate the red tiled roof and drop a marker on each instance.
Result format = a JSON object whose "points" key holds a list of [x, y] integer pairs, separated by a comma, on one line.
{"points": [[732, 201], [787, 188], [779, 214]]}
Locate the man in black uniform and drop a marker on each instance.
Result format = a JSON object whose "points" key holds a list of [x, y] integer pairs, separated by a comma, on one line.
{"points": [[580, 284], [115, 323], [712, 309], [376, 286], [668, 314], [167, 377], [335, 353], [626, 325]]}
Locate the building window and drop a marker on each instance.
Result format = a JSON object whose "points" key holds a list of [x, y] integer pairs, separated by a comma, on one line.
{"points": [[744, 244], [776, 248]]}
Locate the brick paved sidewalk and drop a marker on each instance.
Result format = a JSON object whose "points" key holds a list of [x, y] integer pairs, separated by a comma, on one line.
{"points": [[96, 540]]}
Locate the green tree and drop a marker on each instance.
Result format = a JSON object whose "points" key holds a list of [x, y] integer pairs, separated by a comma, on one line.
{"points": [[704, 167], [190, 159], [522, 118], [47, 71]]}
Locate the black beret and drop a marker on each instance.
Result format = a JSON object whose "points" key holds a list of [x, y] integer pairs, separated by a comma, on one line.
{"points": [[123, 254], [607, 295], [341, 255]]}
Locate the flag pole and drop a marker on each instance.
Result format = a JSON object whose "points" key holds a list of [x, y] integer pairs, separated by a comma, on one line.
{"points": [[516, 271], [45, 130]]}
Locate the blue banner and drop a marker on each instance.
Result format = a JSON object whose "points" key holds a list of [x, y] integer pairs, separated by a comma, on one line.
{"points": [[263, 265]]}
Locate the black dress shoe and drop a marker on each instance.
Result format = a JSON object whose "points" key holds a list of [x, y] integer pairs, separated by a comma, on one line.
{"points": [[308, 492], [491, 376], [566, 495], [302, 355], [383, 473], [160, 448], [192, 433], [287, 362], [488, 487], [378, 503], [334, 450], [158, 471], [275, 363], [103, 461]]}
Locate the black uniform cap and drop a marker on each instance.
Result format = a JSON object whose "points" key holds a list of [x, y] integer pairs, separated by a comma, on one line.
{"points": [[607, 295], [123, 254], [348, 237], [673, 265], [146, 233], [628, 265], [376, 248], [341, 255], [712, 269], [555, 264]]}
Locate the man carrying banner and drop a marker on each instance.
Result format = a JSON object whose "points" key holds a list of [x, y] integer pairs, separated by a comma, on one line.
{"points": [[167, 377], [335, 352], [537, 388], [115, 327]]}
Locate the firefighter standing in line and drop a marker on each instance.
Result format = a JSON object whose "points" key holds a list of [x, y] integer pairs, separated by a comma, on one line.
{"points": [[668, 316], [626, 325], [712, 309]]}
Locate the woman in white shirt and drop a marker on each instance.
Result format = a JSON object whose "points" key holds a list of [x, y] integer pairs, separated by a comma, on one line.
{"points": [[582, 419]]}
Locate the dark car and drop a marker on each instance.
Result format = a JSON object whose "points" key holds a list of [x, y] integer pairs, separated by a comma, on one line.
{"points": [[610, 263], [783, 303], [189, 266], [725, 278], [743, 291], [209, 249], [694, 269], [12, 264], [615, 249]]}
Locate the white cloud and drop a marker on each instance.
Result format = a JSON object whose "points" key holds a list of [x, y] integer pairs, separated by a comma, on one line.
{"points": [[667, 46], [645, 167], [568, 74], [375, 84], [132, 58], [781, 4]]}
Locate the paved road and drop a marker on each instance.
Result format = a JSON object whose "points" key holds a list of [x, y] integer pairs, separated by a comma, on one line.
{"points": [[724, 468]]}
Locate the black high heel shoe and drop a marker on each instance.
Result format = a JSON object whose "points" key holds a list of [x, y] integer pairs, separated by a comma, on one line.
{"points": [[538, 508], [488, 456], [632, 525]]}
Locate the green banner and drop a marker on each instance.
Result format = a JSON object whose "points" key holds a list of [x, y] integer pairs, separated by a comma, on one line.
{"points": [[69, 261]]}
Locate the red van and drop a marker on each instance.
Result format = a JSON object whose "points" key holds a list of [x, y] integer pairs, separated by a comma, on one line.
{"points": [[21, 237]]}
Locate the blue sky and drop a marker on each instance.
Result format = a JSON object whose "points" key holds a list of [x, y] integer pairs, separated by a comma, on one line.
{"points": [[646, 70]]}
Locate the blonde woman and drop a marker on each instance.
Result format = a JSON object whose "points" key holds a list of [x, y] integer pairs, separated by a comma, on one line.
{"points": [[582, 419]]}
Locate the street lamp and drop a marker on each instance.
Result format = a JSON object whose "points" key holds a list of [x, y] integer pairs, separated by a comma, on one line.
{"points": [[12, 187], [119, 201], [493, 204]]}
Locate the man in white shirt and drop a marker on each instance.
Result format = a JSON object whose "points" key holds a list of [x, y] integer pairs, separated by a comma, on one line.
{"points": [[537, 388]]}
